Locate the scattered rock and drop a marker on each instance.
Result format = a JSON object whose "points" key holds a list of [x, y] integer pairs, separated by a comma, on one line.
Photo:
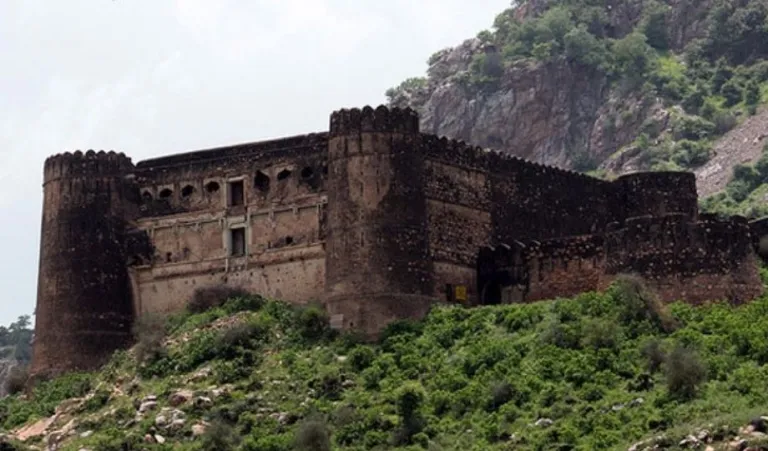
{"points": [[86, 434], [177, 424], [161, 421], [198, 429], [149, 439], [180, 397], [737, 445], [203, 402], [689, 442], [544, 422], [159, 439], [201, 374], [146, 406], [759, 425]]}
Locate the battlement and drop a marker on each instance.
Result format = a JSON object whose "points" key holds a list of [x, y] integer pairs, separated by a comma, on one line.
{"points": [[382, 119], [88, 164], [460, 153]]}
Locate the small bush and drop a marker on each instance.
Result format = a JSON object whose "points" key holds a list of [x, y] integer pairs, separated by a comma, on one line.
{"points": [[219, 436], [410, 398], [313, 323], [639, 304], [313, 435], [205, 298], [654, 354], [243, 335], [328, 383], [685, 372], [244, 303], [501, 393], [361, 357], [17, 380], [149, 332], [601, 334]]}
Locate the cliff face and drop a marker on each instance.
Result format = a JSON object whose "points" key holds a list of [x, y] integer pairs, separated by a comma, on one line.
{"points": [[556, 112]]}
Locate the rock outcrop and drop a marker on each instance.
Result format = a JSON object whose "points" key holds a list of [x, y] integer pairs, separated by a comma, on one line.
{"points": [[557, 112]]}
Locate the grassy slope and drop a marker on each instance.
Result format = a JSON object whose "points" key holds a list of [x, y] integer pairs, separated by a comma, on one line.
{"points": [[478, 378]]}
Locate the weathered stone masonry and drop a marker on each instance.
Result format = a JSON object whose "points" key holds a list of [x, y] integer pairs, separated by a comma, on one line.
{"points": [[372, 218]]}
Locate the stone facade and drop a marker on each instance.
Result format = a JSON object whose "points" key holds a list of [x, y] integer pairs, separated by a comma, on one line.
{"points": [[373, 219]]}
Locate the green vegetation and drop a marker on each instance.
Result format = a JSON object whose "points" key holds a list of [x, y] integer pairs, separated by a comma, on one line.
{"points": [[16, 340], [708, 85], [746, 192], [598, 371]]}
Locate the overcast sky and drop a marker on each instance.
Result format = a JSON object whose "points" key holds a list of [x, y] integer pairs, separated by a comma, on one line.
{"points": [[152, 77]]}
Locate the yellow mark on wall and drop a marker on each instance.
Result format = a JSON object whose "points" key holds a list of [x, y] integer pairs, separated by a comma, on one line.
{"points": [[460, 293]]}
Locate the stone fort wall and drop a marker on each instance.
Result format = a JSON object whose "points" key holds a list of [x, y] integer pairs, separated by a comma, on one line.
{"points": [[372, 218]]}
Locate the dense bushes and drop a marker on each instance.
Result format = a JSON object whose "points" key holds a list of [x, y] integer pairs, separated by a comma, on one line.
{"points": [[593, 372], [742, 193]]}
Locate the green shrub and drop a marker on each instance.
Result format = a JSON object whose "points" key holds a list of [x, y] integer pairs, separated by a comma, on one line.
{"points": [[98, 400], [313, 323], [732, 93], [654, 354], [693, 128], [149, 333], [244, 303], [639, 304], [219, 436], [685, 373], [601, 334], [246, 335], [361, 357], [501, 393], [313, 435], [16, 379], [410, 397], [328, 383], [205, 298]]}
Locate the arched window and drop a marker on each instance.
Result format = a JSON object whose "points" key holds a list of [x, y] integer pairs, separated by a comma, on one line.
{"points": [[212, 187]]}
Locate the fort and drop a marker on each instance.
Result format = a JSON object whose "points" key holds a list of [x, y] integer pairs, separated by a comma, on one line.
{"points": [[373, 219]]}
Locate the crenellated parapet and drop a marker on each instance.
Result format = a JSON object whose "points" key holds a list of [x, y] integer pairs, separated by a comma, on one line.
{"points": [[86, 164], [460, 153], [367, 119]]}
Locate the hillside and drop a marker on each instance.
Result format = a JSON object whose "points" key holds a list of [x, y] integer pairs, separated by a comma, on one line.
{"points": [[601, 371], [609, 87]]}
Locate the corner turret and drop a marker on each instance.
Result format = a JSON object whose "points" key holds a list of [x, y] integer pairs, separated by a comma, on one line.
{"points": [[84, 309]]}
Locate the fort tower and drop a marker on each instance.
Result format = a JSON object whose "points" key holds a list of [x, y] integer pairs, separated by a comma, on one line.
{"points": [[84, 300], [377, 262]]}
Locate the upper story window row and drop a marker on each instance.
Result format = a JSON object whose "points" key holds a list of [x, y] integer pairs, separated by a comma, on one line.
{"points": [[232, 190]]}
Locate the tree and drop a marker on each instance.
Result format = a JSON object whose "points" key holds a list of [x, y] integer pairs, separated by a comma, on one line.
{"points": [[752, 93], [584, 48], [655, 27], [634, 57]]}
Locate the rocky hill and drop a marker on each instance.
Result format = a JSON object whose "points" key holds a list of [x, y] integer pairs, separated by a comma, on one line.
{"points": [[614, 370], [608, 87]]}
